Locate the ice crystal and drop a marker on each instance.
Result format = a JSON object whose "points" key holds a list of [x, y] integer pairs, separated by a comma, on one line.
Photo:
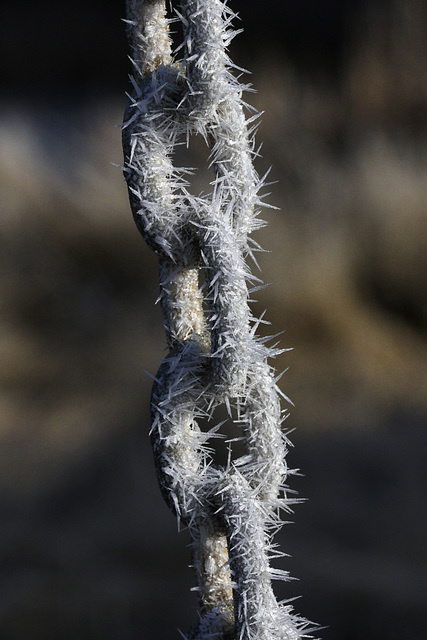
{"points": [[214, 355]]}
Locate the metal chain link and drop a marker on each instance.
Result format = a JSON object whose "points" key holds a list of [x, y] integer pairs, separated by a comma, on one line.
{"points": [[214, 355]]}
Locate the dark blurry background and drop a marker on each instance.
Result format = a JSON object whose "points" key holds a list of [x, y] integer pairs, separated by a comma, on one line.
{"points": [[88, 549]]}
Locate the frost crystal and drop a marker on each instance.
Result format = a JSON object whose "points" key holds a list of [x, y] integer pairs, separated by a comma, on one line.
{"points": [[214, 355]]}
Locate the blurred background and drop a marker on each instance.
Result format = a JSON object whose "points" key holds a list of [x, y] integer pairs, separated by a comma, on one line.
{"points": [[88, 549]]}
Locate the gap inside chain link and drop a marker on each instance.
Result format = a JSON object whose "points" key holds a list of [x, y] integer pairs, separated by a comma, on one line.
{"points": [[192, 154], [225, 444]]}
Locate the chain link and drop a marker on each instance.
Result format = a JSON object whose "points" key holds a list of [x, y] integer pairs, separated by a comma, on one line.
{"points": [[214, 355]]}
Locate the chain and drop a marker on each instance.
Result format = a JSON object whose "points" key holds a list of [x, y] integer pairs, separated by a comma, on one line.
{"points": [[215, 357]]}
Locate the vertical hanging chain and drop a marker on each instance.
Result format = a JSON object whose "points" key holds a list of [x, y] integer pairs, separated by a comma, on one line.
{"points": [[214, 355]]}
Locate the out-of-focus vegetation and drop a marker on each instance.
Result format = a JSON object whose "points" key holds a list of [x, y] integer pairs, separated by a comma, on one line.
{"points": [[87, 548]]}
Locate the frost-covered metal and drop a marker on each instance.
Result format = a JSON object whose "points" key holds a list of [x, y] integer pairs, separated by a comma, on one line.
{"points": [[215, 356]]}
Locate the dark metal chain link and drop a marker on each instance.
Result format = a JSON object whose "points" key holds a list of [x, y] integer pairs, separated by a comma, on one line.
{"points": [[214, 355]]}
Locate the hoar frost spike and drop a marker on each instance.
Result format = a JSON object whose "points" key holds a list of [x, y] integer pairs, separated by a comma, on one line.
{"points": [[214, 355]]}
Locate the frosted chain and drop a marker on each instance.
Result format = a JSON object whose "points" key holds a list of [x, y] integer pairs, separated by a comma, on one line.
{"points": [[214, 355]]}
